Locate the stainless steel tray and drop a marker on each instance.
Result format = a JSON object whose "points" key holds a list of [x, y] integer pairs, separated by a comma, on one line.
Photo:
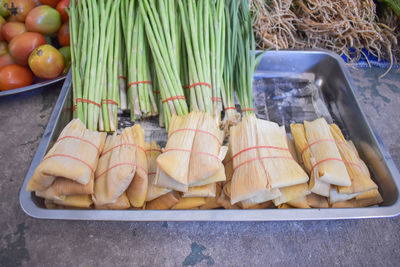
{"points": [[333, 82]]}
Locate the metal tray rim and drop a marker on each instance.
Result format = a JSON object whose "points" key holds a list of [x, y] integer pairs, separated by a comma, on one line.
{"points": [[206, 215]]}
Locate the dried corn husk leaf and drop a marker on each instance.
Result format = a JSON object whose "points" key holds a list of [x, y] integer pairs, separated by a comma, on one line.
{"points": [[228, 164], [62, 187], [292, 148], [208, 190], [212, 202], [328, 170], [300, 141], [225, 202], [121, 203], [164, 202], [365, 199], [318, 187], [75, 201], [299, 203], [117, 167], [81, 148], [152, 152], [290, 193], [317, 201], [281, 169], [189, 203], [259, 206], [285, 206], [137, 190]]}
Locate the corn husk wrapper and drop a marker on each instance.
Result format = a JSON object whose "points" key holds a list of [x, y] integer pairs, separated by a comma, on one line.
{"points": [[318, 187], [300, 141], [282, 169], [292, 148], [228, 164], [173, 164], [360, 161], [225, 202], [208, 190], [258, 206], [317, 201], [203, 166], [212, 202], [72, 166], [285, 206], [137, 190], [152, 152], [117, 167], [62, 187], [189, 203], [291, 193], [49, 204], [163, 202], [360, 180], [121, 203], [329, 171], [76, 201], [299, 203], [249, 179], [369, 198]]}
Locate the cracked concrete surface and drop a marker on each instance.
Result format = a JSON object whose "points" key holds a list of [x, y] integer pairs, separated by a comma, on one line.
{"points": [[27, 241]]}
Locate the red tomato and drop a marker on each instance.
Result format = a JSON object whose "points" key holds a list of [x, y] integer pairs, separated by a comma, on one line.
{"points": [[22, 46], [5, 60], [19, 9], [52, 3], [2, 22], [14, 76], [61, 9], [46, 62], [63, 35], [3, 48], [12, 29], [43, 19]]}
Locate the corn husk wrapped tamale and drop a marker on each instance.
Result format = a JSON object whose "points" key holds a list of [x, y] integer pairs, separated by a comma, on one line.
{"points": [[76, 201], [228, 164], [292, 148], [291, 192], [249, 179], [173, 164], [49, 204], [285, 206], [282, 169], [225, 202], [117, 167], [62, 187], [300, 141], [317, 201], [365, 199], [207, 141], [121, 203], [360, 161], [189, 203], [360, 180], [74, 156], [137, 190], [299, 203], [212, 202], [258, 206], [328, 166], [163, 202], [152, 152], [208, 190]]}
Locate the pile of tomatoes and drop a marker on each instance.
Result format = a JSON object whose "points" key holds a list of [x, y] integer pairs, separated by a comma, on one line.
{"points": [[28, 31]]}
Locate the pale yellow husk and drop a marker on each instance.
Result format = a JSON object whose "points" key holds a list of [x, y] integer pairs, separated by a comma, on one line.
{"points": [[212, 202], [62, 187], [137, 190], [121, 203], [208, 190], [76, 201], [331, 171], [291, 192], [163, 202], [300, 203], [152, 152], [65, 167], [317, 201], [189, 203], [117, 167]]}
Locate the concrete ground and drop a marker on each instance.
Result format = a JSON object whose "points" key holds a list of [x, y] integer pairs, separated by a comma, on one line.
{"points": [[27, 241]]}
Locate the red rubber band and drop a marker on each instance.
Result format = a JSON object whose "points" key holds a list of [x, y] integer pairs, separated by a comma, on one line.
{"points": [[81, 100], [154, 149], [121, 77], [191, 151], [152, 173], [71, 157], [109, 101], [336, 159], [198, 84], [121, 164], [139, 82], [257, 147], [177, 97], [228, 108], [79, 138], [123, 144], [247, 109], [216, 99], [196, 130], [261, 158]]}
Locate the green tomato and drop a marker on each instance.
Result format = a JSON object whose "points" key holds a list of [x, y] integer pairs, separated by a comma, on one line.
{"points": [[4, 8], [66, 53], [43, 19]]}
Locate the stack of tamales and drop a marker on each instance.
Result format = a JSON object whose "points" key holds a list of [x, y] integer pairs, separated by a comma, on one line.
{"points": [[263, 167], [121, 175], [335, 168], [66, 174], [191, 163]]}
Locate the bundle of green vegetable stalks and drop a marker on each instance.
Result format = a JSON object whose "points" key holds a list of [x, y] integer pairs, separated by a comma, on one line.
{"points": [[95, 49]]}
